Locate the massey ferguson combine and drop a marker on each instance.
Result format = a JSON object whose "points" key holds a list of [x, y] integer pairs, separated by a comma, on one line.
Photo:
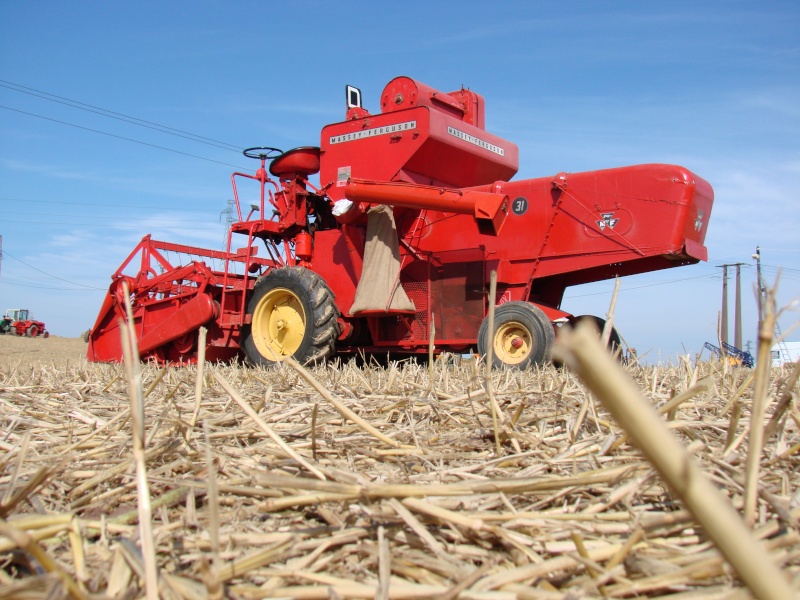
{"points": [[413, 210]]}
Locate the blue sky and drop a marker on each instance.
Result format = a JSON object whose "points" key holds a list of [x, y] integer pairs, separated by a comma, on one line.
{"points": [[712, 86]]}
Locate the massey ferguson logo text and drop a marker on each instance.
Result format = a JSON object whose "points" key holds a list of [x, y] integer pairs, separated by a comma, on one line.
{"points": [[607, 220], [698, 222], [367, 133], [474, 140]]}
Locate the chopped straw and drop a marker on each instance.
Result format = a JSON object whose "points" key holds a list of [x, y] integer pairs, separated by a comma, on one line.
{"points": [[584, 354], [353, 480], [136, 395]]}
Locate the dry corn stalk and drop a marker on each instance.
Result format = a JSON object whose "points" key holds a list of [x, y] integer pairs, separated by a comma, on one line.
{"points": [[583, 353]]}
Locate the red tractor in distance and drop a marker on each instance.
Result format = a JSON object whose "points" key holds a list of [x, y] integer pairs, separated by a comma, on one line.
{"points": [[414, 208], [20, 321]]}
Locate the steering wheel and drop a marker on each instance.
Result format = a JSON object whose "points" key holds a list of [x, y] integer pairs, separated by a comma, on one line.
{"points": [[262, 152]]}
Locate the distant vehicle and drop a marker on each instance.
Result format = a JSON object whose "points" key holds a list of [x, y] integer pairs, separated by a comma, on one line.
{"points": [[733, 354], [20, 321]]}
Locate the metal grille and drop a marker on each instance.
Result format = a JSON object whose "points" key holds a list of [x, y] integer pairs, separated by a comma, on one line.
{"points": [[452, 292], [396, 330], [418, 293]]}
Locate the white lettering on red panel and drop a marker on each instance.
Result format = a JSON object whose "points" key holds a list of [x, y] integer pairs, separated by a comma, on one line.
{"points": [[475, 140], [367, 133]]}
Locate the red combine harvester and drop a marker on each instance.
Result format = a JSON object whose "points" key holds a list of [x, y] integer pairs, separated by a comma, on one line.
{"points": [[414, 210]]}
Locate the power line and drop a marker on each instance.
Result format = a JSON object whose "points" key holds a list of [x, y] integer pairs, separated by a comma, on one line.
{"points": [[782, 268], [136, 206], [784, 276], [7, 253], [119, 116], [118, 216], [120, 137], [211, 226], [639, 287], [47, 287]]}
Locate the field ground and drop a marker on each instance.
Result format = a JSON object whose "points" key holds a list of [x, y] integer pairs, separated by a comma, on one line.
{"points": [[55, 351], [376, 482]]}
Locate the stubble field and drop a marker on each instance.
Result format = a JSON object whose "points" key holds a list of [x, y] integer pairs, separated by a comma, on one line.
{"points": [[404, 481], [54, 351]]}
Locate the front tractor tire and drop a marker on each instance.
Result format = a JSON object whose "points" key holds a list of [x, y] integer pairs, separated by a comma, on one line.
{"points": [[292, 314], [523, 336]]}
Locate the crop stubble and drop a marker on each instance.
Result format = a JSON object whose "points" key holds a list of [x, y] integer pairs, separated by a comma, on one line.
{"points": [[372, 482]]}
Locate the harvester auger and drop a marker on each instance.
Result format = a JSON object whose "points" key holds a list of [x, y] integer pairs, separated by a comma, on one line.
{"points": [[414, 210]]}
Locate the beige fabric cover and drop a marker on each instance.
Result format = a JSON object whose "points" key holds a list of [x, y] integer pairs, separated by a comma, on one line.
{"points": [[379, 287]]}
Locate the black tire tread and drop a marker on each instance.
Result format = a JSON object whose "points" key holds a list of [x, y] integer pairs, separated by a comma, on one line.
{"points": [[540, 355], [614, 340], [324, 317]]}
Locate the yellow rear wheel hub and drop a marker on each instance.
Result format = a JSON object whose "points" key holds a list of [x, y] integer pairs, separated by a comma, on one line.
{"points": [[512, 343], [278, 324]]}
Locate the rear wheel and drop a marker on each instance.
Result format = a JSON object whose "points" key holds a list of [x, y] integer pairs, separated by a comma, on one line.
{"points": [[292, 314], [32, 331], [523, 336], [614, 341]]}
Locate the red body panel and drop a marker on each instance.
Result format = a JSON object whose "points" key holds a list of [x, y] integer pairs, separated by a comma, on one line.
{"points": [[418, 145], [458, 217]]}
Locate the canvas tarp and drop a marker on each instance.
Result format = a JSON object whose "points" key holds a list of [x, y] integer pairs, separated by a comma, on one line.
{"points": [[379, 287]]}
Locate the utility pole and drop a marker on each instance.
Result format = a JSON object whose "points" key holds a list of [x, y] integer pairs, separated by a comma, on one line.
{"points": [[228, 215], [783, 351], [723, 328], [737, 332], [757, 258]]}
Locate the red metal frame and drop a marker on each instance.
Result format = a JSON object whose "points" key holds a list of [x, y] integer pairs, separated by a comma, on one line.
{"points": [[458, 214]]}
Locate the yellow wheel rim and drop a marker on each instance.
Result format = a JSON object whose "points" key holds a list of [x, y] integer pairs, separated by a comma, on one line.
{"points": [[278, 324], [512, 343]]}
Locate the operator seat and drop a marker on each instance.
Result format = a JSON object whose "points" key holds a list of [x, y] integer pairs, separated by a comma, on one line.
{"points": [[303, 161]]}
